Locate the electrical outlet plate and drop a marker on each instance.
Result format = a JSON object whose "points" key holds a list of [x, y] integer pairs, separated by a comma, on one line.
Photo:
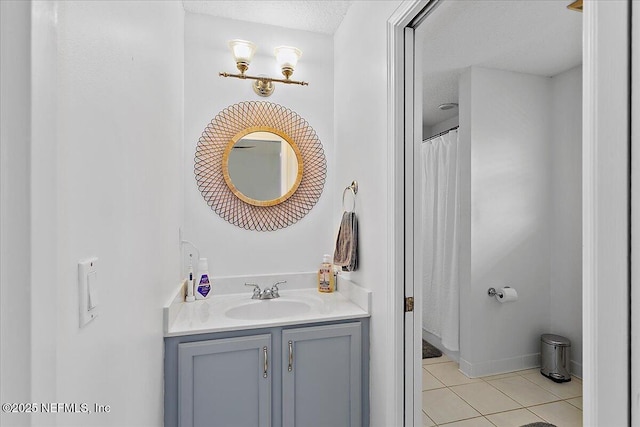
{"points": [[88, 290]]}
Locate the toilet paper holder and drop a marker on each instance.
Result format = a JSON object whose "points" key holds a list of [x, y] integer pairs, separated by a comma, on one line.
{"points": [[492, 292]]}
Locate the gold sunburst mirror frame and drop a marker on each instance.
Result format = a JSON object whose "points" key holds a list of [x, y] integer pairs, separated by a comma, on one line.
{"points": [[212, 171]]}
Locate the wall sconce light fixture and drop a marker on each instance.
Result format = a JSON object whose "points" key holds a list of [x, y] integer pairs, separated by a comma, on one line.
{"points": [[576, 5], [286, 57]]}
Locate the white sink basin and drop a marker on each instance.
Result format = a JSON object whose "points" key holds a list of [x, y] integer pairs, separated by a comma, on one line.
{"points": [[267, 309]]}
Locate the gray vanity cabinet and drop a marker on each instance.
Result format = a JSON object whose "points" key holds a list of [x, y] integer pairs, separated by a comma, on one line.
{"points": [[225, 382], [316, 375], [321, 376]]}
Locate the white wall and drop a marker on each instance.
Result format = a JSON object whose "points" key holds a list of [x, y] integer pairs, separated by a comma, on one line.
{"points": [[566, 205], [508, 138], [467, 304], [521, 159], [232, 250], [15, 116], [44, 205], [113, 156], [360, 112]]}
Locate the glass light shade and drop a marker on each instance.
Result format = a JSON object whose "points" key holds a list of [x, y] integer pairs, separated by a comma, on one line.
{"points": [[242, 50], [287, 56]]}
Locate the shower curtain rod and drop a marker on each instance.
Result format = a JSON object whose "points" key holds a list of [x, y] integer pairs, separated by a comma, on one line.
{"points": [[441, 133]]}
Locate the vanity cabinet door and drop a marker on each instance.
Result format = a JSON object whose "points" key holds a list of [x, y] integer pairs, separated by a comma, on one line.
{"points": [[225, 382], [321, 376]]}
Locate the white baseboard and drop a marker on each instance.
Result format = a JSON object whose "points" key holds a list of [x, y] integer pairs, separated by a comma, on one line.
{"points": [[494, 367], [575, 368], [500, 366], [503, 366]]}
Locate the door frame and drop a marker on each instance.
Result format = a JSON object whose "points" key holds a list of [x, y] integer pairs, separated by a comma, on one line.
{"points": [[635, 209], [606, 213], [404, 361]]}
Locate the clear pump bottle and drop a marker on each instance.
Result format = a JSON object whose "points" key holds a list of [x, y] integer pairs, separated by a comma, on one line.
{"points": [[326, 278]]}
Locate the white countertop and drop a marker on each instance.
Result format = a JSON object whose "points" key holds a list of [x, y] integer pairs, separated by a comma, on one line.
{"points": [[205, 316]]}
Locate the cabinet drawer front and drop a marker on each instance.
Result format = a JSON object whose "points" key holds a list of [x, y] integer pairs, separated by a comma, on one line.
{"points": [[323, 387], [225, 382]]}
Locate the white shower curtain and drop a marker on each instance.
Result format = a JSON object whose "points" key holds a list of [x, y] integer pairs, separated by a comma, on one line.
{"points": [[440, 228]]}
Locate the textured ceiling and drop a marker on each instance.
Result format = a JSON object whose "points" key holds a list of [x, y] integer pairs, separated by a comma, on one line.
{"points": [[317, 16], [539, 37]]}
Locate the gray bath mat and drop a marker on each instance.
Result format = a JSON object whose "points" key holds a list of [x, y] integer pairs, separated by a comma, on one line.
{"points": [[429, 351], [539, 425]]}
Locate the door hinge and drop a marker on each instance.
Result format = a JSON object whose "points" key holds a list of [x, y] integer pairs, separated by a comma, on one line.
{"points": [[408, 304]]}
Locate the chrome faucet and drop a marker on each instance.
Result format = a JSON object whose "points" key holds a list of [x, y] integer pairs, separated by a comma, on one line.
{"points": [[268, 293], [275, 290], [256, 290]]}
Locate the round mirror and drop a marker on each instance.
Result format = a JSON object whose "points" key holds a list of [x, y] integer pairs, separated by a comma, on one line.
{"points": [[222, 187], [262, 166]]}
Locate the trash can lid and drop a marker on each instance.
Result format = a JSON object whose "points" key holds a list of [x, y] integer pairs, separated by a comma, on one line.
{"points": [[555, 340]]}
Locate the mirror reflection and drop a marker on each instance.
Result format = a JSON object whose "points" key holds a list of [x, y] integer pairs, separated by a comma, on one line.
{"points": [[263, 166]]}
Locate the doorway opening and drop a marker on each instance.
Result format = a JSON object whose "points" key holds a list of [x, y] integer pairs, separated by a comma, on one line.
{"points": [[497, 204], [404, 46]]}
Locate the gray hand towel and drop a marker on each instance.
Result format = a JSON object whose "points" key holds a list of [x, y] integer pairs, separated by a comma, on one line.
{"points": [[346, 253]]}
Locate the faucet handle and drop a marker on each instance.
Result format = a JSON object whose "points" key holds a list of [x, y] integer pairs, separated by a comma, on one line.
{"points": [[256, 290], [274, 288]]}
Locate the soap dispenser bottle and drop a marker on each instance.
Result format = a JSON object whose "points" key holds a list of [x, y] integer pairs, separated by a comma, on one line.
{"points": [[203, 285], [326, 279]]}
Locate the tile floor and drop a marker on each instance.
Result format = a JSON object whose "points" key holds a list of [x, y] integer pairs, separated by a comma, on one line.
{"points": [[451, 399]]}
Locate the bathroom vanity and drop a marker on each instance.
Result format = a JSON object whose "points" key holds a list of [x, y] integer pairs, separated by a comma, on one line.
{"points": [[301, 360]]}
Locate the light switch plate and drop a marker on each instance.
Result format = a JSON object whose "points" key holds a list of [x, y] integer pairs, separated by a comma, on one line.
{"points": [[88, 287]]}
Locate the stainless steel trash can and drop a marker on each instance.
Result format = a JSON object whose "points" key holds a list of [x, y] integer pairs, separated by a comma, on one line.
{"points": [[555, 351]]}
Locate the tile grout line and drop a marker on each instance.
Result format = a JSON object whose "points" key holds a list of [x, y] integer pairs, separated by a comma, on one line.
{"points": [[509, 397], [536, 404], [457, 421], [460, 397], [516, 373], [575, 406], [560, 397], [539, 416], [536, 385], [541, 387], [490, 422], [436, 378], [476, 409], [462, 419], [492, 413], [482, 416]]}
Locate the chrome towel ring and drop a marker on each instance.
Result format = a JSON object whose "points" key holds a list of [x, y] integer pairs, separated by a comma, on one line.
{"points": [[354, 190]]}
